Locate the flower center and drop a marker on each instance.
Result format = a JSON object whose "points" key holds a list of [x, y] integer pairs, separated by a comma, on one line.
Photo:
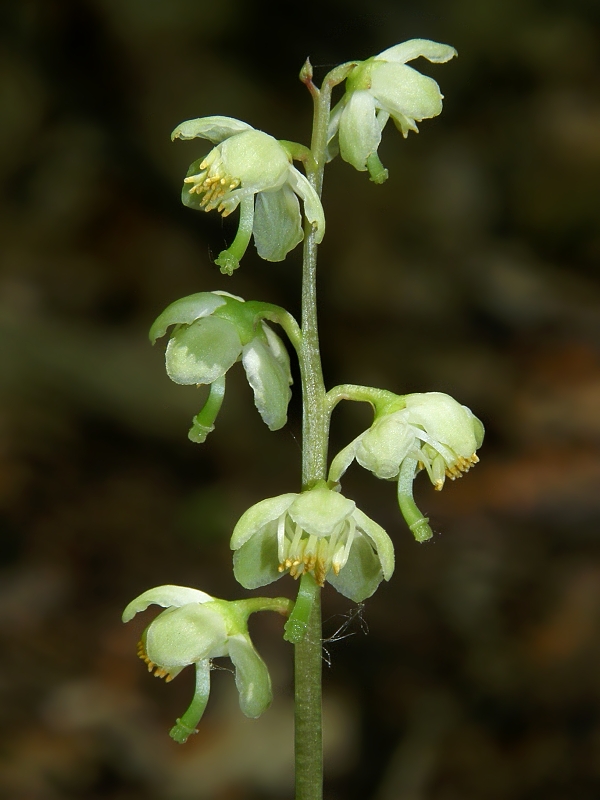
{"points": [[214, 183], [300, 552]]}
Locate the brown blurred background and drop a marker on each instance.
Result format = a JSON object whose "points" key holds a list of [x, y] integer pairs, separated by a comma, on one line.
{"points": [[473, 271]]}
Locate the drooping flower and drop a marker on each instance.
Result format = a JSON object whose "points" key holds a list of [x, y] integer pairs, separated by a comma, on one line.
{"points": [[212, 331], [432, 432], [194, 629], [318, 531], [251, 169], [380, 88]]}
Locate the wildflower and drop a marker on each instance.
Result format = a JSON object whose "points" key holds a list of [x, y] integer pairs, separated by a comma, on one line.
{"points": [[251, 169], [194, 629], [432, 432], [212, 331], [318, 531], [380, 88]]}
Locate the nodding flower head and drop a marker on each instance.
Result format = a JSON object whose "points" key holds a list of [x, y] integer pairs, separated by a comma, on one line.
{"points": [[193, 629], [251, 169], [431, 432], [380, 88], [318, 531]]}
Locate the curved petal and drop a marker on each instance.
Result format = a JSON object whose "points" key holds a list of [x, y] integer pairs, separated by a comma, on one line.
{"points": [[402, 90], [320, 511], [251, 676], [278, 350], [444, 420], [215, 129], [270, 383], [203, 351], [256, 159], [361, 574], [383, 543], [259, 515], [343, 459], [384, 446], [166, 596], [313, 210], [360, 133], [333, 145], [185, 311], [277, 223], [413, 48], [256, 562], [182, 636]]}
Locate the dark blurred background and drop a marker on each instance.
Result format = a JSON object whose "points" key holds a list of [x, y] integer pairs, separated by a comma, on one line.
{"points": [[472, 271]]}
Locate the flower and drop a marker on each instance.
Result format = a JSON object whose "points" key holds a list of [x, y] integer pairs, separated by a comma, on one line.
{"points": [[318, 531], [194, 629], [432, 432], [248, 164], [212, 331], [380, 88]]}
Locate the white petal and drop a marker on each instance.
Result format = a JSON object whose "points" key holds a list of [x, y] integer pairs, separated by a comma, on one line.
{"points": [[277, 225], [185, 311], [313, 210], [407, 51], [269, 381], [402, 90], [257, 516], [360, 133], [320, 511], [166, 596], [383, 543], [215, 129]]}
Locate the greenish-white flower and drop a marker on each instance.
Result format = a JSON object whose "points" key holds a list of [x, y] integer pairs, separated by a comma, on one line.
{"points": [[212, 331], [380, 88], [433, 428], [432, 432], [251, 169], [318, 531], [194, 629]]}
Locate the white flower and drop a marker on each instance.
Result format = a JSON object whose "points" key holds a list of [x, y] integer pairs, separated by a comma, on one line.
{"points": [[194, 629], [433, 428], [251, 169], [380, 88], [318, 531]]}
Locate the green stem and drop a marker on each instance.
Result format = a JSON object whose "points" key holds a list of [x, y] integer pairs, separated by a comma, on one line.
{"points": [[308, 651]]}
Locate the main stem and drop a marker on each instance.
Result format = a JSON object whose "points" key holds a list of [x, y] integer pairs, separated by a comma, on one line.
{"points": [[315, 423]]}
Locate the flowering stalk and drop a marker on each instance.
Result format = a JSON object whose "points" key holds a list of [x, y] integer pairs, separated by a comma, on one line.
{"points": [[306, 617]]}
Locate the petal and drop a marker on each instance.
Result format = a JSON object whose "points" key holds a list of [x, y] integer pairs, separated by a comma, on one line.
{"points": [[384, 446], [182, 636], [361, 574], [257, 159], [402, 90], [251, 676], [445, 420], [278, 350], [333, 145], [203, 351], [256, 562], [185, 311], [269, 381], [319, 511], [383, 543], [313, 210], [407, 51], [215, 129], [277, 223], [360, 133], [165, 596], [259, 515]]}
